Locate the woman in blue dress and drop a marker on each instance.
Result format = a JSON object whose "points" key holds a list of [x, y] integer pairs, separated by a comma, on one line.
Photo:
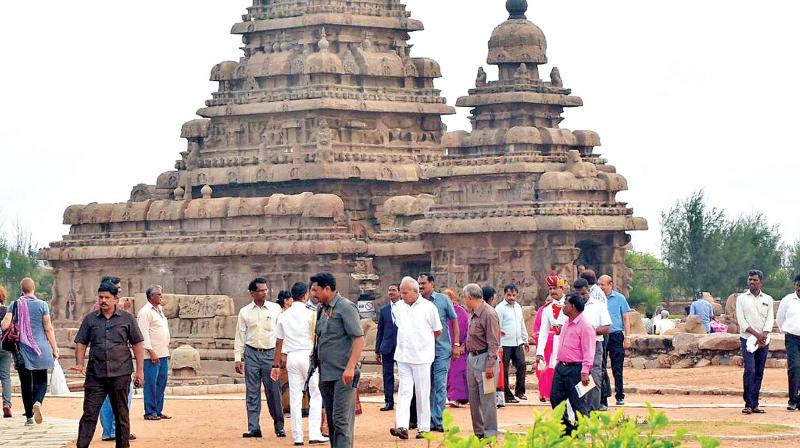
{"points": [[37, 348]]}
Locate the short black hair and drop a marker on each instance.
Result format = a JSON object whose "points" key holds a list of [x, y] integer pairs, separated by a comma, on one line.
{"points": [[299, 289], [577, 301], [396, 285], [510, 287], [252, 287], [589, 276], [111, 279], [580, 283], [282, 296], [797, 278], [757, 273], [324, 279], [109, 288], [427, 275], [488, 293]]}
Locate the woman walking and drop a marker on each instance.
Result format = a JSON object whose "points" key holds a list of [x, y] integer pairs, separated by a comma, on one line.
{"points": [[37, 348], [5, 360]]}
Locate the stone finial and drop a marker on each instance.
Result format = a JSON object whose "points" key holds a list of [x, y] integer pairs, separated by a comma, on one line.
{"points": [[522, 72], [480, 80], [555, 77], [206, 191], [517, 9], [323, 41], [179, 192]]}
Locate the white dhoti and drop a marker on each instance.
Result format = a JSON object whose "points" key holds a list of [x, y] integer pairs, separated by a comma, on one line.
{"points": [[297, 363], [414, 377]]}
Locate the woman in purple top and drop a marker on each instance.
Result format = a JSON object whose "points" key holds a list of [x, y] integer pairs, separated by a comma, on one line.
{"points": [[457, 393]]}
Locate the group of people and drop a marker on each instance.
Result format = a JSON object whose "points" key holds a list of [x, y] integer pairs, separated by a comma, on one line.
{"points": [[445, 352]]}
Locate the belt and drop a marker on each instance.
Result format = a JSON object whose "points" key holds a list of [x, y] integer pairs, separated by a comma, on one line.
{"points": [[260, 349], [479, 352], [569, 364]]}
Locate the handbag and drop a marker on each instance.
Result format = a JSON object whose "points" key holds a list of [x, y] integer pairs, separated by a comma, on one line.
{"points": [[9, 341]]}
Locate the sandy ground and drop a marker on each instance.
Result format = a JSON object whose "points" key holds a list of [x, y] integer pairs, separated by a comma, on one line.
{"points": [[220, 421]]}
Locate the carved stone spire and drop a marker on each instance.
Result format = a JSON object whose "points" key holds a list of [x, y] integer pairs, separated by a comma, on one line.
{"points": [[517, 9]]}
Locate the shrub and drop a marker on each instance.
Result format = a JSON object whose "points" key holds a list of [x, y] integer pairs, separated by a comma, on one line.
{"points": [[601, 429]]}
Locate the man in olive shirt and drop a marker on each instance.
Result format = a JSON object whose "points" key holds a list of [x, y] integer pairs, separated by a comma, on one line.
{"points": [[339, 343], [110, 332], [483, 343]]}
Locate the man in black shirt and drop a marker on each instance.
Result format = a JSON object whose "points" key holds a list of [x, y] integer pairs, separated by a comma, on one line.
{"points": [[110, 332]]}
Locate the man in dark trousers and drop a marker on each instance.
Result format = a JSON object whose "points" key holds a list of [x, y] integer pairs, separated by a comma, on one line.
{"points": [[110, 332], [385, 343]]}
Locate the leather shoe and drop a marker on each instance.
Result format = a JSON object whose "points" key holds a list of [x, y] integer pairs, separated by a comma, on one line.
{"points": [[6, 411], [164, 417], [317, 442], [401, 433], [437, 428], [621, 402], [511, 400], [420, 435], [747, 411], [387, 407], [759, 411], [522, 397], [299, 443], [791, 407], [252, 435], [152, 417], [280, 433], [412, 426]]}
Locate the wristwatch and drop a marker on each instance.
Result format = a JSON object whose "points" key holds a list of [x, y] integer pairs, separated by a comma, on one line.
{"points": [[457, 344]]}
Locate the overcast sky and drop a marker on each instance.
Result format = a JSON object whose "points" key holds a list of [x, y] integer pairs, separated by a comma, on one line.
{"points": [[685, 94]]}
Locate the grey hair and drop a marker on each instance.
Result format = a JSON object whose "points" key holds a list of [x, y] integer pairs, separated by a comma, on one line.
{"points": [[411, 282], [664, 313], [151, 290], [473, 290]]}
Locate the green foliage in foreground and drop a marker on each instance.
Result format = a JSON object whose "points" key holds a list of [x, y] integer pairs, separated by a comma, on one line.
{"points": [[599, 430]]}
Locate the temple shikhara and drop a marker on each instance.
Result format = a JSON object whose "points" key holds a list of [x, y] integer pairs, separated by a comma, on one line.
{"points": [[324, 150]]}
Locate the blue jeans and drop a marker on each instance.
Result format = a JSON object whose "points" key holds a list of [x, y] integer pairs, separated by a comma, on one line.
{"points": [[5, 376], [439, 368], [155, 383], [107, 416]]}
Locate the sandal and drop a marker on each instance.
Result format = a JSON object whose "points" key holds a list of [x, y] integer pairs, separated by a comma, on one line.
{"points": [[747, 411]]}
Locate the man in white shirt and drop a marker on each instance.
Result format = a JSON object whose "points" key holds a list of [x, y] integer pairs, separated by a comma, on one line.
{"points": [[514, 340], [788, 320], [254, 354], [155, 331], [596, 314], [293, 336], [418, 326], [755, 316], [663, 323]]}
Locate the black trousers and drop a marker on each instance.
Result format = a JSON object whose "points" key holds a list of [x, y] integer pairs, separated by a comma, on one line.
{"points": [[95, 391], [514, 355], [605, 388], [565, 379], [793, 366], [617, 353], [33, 385], [753, 373], [387, 362]]}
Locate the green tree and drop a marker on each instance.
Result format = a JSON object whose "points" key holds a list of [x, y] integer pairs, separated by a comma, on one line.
{"points": [[793, 259], [647, 284], [18, 260], [691, 239]]}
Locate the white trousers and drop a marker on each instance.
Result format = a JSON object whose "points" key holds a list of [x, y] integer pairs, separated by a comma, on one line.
{"points": [[297, 363], [414, 376]]}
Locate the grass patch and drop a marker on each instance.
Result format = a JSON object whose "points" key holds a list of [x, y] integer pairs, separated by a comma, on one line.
{"points": [[725, 428]]}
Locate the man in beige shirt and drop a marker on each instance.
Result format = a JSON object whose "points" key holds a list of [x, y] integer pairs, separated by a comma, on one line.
{"points": [[754, 312], [155, 331], [254, 353]]}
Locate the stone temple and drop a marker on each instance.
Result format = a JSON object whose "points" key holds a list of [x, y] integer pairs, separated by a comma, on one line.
{"points": [[324, 150]]}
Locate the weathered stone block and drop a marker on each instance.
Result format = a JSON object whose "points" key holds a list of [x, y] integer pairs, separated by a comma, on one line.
{"points": [[719, 342], [637, 326], [703, 363], [649, 342], [694, 325], [737, 361], [637, 363], [777, 342], [225, 327], [185, 361], [193, 307], [370, 329], [773, 363], [652, 364], [685, 343], [202, 328]]}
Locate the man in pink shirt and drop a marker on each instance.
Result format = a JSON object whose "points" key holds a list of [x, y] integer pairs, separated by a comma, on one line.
{"points": [[575, 359]]}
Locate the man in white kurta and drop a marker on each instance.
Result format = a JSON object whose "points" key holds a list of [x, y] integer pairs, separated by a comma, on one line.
{"points": [[293, 335], [418, 326], [550, 321]]}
